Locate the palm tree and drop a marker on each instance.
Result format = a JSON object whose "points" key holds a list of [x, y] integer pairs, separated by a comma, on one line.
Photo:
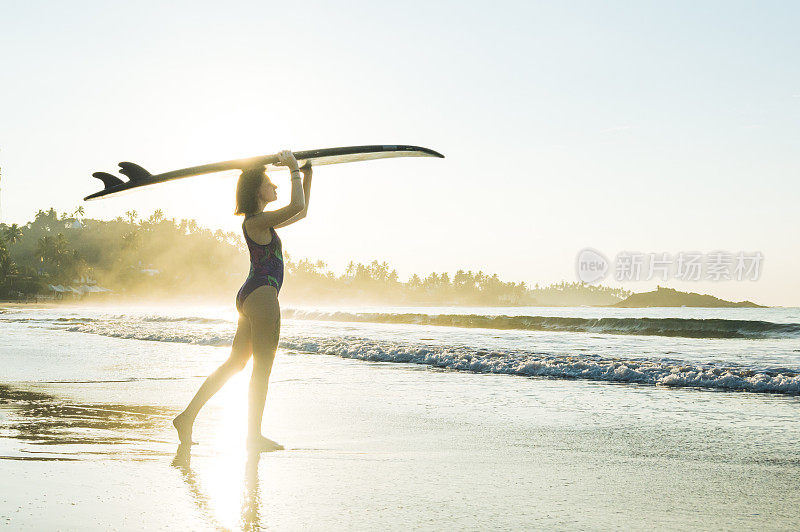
{"points": [[61, 245], [132, 214], [45, 249], [48, 220], [130, 240], [13, 233], [52, 250], [7, 266], [78, 212]]}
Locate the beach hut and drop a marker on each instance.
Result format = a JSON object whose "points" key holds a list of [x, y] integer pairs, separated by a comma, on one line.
{"points": [[92, 289], [57, 291], [74, 291]]}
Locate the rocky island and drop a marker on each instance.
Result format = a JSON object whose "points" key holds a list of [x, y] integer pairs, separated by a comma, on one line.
{"points": [[669, 297]]}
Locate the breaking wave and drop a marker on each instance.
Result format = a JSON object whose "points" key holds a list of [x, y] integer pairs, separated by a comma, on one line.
{"points": [[665, 372], [758, 378], [197, 337]]}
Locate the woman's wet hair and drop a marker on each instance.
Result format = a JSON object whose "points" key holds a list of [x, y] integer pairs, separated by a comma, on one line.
{"points": [[247, 190]]}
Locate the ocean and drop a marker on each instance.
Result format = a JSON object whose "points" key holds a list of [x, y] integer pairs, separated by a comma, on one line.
{"points": [[755, 350], [398, 417]]}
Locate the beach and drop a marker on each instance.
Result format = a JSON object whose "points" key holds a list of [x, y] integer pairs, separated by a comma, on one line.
{"points": [[375, 442]]}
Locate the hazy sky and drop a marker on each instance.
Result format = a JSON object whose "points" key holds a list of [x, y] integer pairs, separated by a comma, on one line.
{"points": [[637, 126]]}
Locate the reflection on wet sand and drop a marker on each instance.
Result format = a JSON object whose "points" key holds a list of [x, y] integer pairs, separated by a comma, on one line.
{"points": [[37, 426], [251, 518], [41, 424], [251, 503], [182, 462]]}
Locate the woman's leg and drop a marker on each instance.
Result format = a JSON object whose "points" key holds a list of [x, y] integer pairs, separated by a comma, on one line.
{"points": [[240, 354], [264, 311]]}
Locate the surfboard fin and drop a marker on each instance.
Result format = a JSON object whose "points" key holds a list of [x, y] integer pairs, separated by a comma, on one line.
{"points": [[108, 179], [133, 171]]}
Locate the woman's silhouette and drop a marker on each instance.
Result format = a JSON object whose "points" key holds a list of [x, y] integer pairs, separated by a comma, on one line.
{"points": [[258, 330]]}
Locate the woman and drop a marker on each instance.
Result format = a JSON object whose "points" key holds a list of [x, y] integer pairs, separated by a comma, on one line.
{"points": [[258, 330]]}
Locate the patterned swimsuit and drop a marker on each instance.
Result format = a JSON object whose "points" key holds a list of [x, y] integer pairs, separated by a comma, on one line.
{"points": [[266, 266]]}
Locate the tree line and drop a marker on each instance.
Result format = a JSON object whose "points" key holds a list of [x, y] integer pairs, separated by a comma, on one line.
{"points": [[156, 257]]}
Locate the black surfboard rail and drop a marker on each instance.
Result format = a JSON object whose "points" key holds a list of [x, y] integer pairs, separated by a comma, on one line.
{"points": [[139, 177]]}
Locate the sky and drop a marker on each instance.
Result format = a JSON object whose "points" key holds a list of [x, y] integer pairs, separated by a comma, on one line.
{"points": [[642, 127]]}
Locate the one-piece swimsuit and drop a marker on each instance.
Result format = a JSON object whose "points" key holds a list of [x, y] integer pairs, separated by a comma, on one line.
{"points": [[266, 266]]}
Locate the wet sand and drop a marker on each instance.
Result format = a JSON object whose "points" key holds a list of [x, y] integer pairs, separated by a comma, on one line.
{"points": [[388, 446]]}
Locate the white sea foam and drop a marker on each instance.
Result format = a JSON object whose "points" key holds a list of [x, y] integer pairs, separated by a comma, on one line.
{"points": [[547, 361], [667, 373], [672, 372]]}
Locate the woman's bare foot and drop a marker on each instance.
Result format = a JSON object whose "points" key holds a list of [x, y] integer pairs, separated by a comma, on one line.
{"points": [[262, 443], [183, 424]]}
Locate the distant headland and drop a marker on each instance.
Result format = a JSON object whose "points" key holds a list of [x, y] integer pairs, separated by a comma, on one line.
{"points": [[669, 297]]}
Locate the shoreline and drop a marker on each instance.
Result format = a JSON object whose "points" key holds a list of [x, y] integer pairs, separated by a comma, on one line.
{"points": [[91, 453], [87, 440], [135, 302]]}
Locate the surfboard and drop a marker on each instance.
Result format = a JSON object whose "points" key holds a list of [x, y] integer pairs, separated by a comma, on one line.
{"points": [[139, 177]]}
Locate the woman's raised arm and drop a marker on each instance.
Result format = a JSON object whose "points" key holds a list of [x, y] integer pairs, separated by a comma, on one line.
{"points": [[267, 219], [307, 172]]}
